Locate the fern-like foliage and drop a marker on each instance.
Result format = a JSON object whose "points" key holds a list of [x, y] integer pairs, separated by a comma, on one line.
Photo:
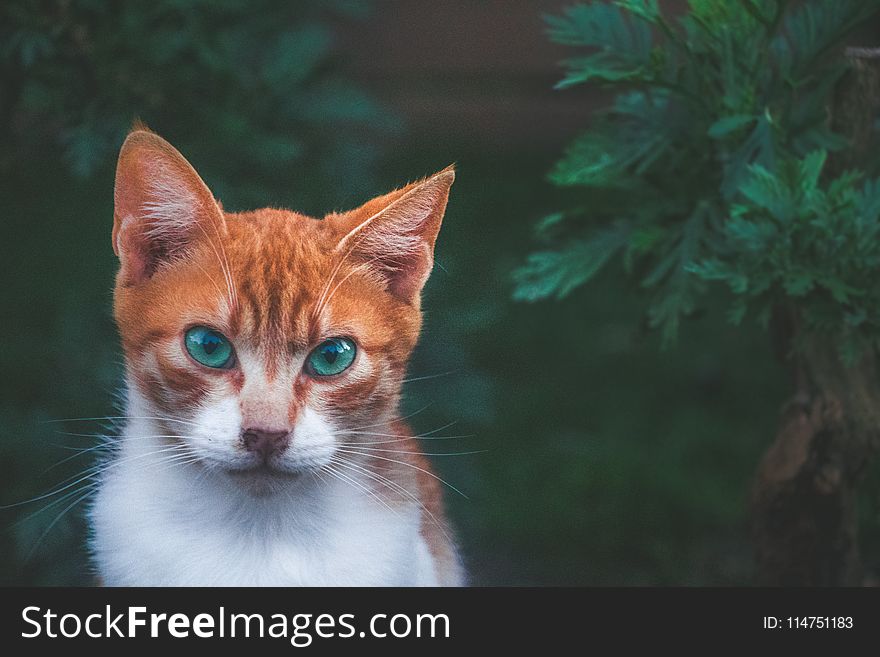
{"points": [[791, 235], [716, 108]]}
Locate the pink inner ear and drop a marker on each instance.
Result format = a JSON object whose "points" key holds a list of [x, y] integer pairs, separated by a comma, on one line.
{"points": [[398, 239], [133, 255], [409, 277], [154, 220], [161, 205]]}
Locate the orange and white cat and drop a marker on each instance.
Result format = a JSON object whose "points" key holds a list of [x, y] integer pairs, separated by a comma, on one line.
{"points": [[264, 354]]}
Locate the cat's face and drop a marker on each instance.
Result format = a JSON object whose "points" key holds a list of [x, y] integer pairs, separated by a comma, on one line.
{"points": [[268, 339]]}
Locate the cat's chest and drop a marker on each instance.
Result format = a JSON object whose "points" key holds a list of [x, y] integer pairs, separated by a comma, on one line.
{"points": [[365, 547], [337, 539]]}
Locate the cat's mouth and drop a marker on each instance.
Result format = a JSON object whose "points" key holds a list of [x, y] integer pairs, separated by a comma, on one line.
{"points": [[262, 479], [264, 470], [275, 471]]}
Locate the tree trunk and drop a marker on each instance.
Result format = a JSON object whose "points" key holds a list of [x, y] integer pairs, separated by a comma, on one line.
{"points": [[804, 513], [803, 507]]}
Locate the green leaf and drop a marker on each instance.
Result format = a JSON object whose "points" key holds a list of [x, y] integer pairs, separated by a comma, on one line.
{"points": [[593, 161], [767, 191], [840, 291], [812, 29], [677, 288], [811, 168], [557, 273], [544, 228], [798, 283], [728, 124], [599, 66], [623, 45], [648, 10]]}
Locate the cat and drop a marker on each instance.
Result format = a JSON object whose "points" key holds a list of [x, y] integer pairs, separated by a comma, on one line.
{"points": [[264, 357]]}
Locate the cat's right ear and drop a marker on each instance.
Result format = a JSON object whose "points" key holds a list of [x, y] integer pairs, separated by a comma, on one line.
{"points": [[161, 207]]}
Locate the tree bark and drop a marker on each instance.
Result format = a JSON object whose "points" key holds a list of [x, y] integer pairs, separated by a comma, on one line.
{"points": [[804, 503], [804, 516]]}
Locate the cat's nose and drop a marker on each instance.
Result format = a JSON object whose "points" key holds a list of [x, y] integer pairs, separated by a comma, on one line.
{"points": [[265, 442]]}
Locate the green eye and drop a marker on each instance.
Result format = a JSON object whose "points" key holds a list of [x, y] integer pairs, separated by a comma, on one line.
{"points": [[332, 356], [208, 347]]}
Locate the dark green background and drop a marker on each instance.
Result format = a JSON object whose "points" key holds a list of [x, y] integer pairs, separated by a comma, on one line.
{"points": [[608, 460]]}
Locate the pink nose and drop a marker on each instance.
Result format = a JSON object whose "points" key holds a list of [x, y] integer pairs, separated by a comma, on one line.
{"points": [[265, 442]]}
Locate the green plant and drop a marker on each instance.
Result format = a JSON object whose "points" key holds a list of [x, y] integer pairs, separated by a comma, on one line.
{"points": [[738, 150], [818, 245], [713, 107]]}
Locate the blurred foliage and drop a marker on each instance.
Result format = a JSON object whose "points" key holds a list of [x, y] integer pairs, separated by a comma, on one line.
{"points": [[707, 165], [260, 73]]}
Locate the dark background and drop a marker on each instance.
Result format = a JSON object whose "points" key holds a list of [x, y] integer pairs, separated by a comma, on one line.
{"points": [[609, 460]]}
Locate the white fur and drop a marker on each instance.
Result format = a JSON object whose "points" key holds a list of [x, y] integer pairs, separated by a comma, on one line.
{"points": [[171, 210], [158, 523]]}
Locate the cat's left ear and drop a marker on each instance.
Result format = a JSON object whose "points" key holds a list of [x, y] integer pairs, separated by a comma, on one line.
{"points": [[395, 234], [162, 207]]}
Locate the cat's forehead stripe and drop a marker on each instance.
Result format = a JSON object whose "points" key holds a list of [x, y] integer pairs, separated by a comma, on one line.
{"points": [[277, 280]]}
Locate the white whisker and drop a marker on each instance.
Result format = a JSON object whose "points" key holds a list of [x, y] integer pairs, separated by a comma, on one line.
{"points": [[349, 450], [93, 471], [55, 522], [400, 488], [430, 376], [118, 417], [357, 485], [404, 451]]}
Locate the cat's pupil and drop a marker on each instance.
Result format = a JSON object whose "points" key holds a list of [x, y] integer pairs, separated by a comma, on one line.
{"points": [[210, 345], [330, 354]]}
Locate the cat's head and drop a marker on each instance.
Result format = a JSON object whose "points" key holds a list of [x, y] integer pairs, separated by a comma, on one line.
{"points": [[268, 338]]}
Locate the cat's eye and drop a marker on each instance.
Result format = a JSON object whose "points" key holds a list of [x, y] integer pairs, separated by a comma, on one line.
{"points": [[332, 356], [208, 347]]}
